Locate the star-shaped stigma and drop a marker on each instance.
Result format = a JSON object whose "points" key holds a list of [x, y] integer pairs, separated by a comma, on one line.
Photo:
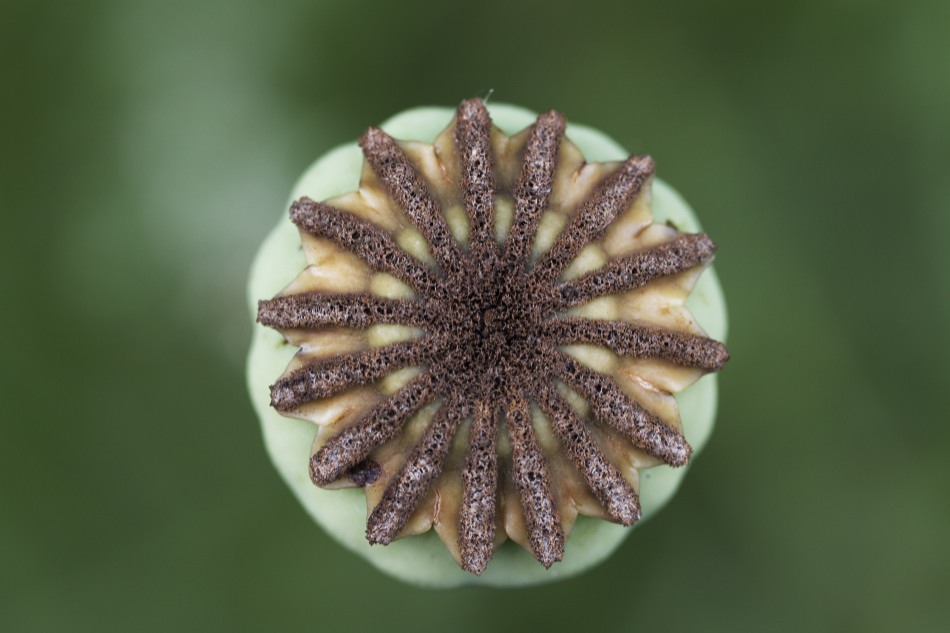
{"points": [[491, 315]]}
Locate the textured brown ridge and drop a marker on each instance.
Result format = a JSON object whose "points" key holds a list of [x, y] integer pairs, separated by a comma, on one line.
{"points": [[410, 192], [412, 481], [611, 489], [473, 140], [314, 309], [615, 194], [332, 375], [488, 346], [365, 240], [479, 487], [534, 185], [637, 270], [627, 339]]}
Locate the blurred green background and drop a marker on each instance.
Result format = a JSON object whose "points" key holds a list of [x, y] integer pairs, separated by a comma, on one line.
{"points": [[148, 147]]}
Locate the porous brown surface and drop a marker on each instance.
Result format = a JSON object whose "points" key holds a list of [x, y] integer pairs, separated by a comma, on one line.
{"points": [[494, 331], [626, 339], [611, 489], [530, 474], [316, 309], [533, 190], [413, 479], [366, 241], [479, 483], [354, 444], [332, 375], [635, 271], [616, 408], [614, 195]]}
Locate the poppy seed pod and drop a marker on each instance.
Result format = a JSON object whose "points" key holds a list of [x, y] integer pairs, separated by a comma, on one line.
{"points": [[482, 344]]}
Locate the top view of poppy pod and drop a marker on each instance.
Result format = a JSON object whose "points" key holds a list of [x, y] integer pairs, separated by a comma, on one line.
{"points": [[482, 344]]}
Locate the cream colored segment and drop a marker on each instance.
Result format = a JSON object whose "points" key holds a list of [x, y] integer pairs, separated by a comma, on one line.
{"points": [[653, 235], [330, 269], [542, 431], [660, 403], [429, 163], [573, 184], [384, 334], [578, 403], [391, 456], [512, 513], [661, 308], [451, 195], [457, 220], [590, 258], [413, 242], [329, 278], [443, 502], [450, 171], [570, 169], [398, 379], [374, 196], [366, 205], [621, 236], [608, 308], [597, 358], [507, 151], [323, 342], [676, 288], [445, 497], [567, 485], [338, 411], [504, 215], [618, 451], [388, 287], [420, 521], [549, 227], [662, 374]]}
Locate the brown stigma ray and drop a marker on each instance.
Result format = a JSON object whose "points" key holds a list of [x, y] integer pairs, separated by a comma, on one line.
{"points": [[476, 531], [611, 489], [316, 309], [349, 448], [531, 478], [473, 143], [491, 323], [637, 270], [616, 193], [535, 183], [614, 407], [363, 239], [424, 464], [328, 376], [411, 193], [627, 339]]}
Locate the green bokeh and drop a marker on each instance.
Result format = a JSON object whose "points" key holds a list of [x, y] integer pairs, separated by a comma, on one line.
{"points": [[146, 147]]}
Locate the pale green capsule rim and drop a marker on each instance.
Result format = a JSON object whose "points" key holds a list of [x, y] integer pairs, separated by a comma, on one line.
{"points": [[423, 560]]}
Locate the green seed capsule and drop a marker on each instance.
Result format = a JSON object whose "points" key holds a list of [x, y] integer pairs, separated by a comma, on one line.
{"points": [[492, 332]]}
